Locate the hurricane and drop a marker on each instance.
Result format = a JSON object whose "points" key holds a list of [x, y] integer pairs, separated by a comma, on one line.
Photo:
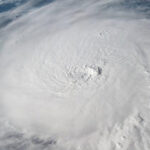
{"points": [[74, 75]]}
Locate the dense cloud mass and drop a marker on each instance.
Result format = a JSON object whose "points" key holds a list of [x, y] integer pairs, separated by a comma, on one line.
{"points": [[74, 75]]}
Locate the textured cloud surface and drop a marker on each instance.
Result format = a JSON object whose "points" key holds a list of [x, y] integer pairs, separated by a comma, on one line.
{"points": [[74, 75]]}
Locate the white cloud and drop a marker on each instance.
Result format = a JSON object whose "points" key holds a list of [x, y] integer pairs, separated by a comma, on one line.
{"points": [[51, 90]]}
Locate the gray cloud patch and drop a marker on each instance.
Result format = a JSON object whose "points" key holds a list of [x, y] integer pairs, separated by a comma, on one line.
{"points": [[106, 9], [13, 139], [12, 10], [139, 6]]}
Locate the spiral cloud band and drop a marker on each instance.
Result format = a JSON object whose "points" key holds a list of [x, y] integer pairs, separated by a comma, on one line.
{"points": [[74, 75]]}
